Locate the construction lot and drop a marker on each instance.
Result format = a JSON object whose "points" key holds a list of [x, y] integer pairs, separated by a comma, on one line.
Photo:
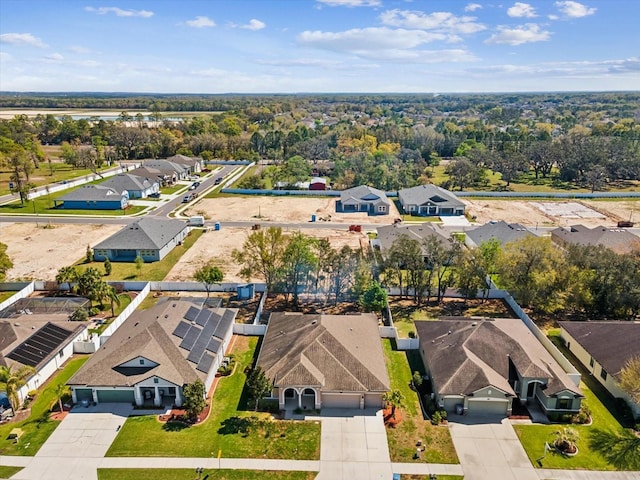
{"points": [[216, 246]]}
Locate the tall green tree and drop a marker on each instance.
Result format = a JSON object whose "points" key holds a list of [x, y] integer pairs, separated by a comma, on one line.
{"points": [[11, 381], [61, 390], [374, 298], [258, 385], [395, 399], [262, 255], [629, 378], [139, 261], [208, 275], [5, 262], [67, 275], [298, 262], [194, 402]]}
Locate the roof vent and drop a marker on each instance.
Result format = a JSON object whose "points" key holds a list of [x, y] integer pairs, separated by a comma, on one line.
{"points": [[136, 324], [166, 316], [174, 305], [16, 324], [313, 322], [474, 324], [449, 332]]}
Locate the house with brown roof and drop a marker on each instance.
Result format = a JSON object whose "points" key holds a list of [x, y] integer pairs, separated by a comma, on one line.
{"points": [[324, 361], [481, 366], [389, 234], [155, 353], [617, 239], [604, 348]]}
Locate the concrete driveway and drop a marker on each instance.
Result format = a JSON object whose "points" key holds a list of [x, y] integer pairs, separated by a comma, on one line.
{"points": [[489, 448], [82, 437], [353, 445]]}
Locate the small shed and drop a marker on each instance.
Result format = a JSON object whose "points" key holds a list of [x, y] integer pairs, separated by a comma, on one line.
{"points": [[246, 292]]}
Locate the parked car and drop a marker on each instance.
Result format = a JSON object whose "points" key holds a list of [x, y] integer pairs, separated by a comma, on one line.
{"points": [[218, 180]]}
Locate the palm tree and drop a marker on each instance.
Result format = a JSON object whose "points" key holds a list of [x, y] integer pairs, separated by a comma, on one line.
{"points": [[395, 398], [13, 380], [61, 390], [566, 439], [67, 275], [113, 298]]}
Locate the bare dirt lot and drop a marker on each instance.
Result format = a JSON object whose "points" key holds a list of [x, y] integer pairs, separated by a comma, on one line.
{"points": [[282, 209], [546, 213], [216, 246], [38, 253]]}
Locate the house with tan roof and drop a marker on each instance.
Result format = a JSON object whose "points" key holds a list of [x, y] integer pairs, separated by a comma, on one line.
{"points": [[481, 366], [604, 348], [155, 353], [324, 361]]}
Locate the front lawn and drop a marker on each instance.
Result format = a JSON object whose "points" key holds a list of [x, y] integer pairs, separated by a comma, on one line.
{"points": [[189, 474], [150, 272], [402, 439], [8, 472], [230, 431], [38, 426], [44, 205]]}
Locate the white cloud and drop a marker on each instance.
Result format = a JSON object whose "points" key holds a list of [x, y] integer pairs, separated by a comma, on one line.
{"points": [[520, 9], [527, 33], [120, 12], [420, 56], [254, 24], [54, 57], [439, 21], [351, 3], [363, 39], [573, 9], [79, 49], [22, 39], [472, 7], [201, 22], [5, 57], [553, 17]]}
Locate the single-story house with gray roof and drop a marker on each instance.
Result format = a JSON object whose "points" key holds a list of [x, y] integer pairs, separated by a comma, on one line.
{"points": [[604, 348], [363, 199], [155, 353], [502, 231], [389, 234], [175, 170], [163, 178], [149, 238], [324, 361], [93, 197], [134, 185], [617, 239], [193, 164], [480, 366], [430, 200]]}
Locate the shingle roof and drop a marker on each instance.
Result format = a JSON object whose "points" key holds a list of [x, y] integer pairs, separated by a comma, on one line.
{"points": [[388, 234], [610, 343], [148, 334], [92, 192], [363, 194], [429, 193], [331, 352], [502, 231], [147, 172], [465, 355], [147, 233], [165, 166], [184, 160], [617, 239], [129, 182]]}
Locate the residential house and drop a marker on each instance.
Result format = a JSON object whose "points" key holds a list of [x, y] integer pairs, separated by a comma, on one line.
{"points": [[430, 200], [173, 170], [604, 348], [502, 231], [93, 197], [192, 164], [135, 186], [149, 238], [363, 199], [159, 176], [324, 361], [481, 366], [156, 352], [617, 239], [388, 234]]}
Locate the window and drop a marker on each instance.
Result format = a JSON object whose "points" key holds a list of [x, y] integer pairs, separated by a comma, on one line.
{"points": [[603, 374], [591, 362], [382, 208], [142, 361], [60, 353], [564, 403], [155, 380]]}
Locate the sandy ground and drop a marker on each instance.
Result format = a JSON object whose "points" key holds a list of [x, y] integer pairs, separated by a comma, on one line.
{"points": [[38, 253], [281, 209], [216, 246], [541, 213]]}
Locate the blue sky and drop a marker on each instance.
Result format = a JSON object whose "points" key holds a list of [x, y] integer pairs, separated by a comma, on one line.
{"points": [[296, 46]]}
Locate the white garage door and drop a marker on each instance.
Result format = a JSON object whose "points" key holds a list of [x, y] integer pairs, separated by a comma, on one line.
{"points": [[488, 407], [373, 400], [340, 400]]}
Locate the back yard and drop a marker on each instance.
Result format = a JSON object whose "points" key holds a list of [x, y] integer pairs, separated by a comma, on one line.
{"points": [[230, 431]]}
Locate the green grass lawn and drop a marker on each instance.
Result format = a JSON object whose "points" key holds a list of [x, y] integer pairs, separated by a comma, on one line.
{"points": [[533, 437], [152, 272], [44, 205], [229, 431], [402, 439], [189, 474], [7, 472], [5, 295], [38, 426], [46, 174], [168, 190]]}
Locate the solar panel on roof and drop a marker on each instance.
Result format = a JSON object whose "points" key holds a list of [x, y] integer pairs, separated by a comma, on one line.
{"points": [[225, 323], [192, 314], [205, 363], [214, 345], [182, 329], [194, 356], [190, 338], [203, 317], [39, 345]]}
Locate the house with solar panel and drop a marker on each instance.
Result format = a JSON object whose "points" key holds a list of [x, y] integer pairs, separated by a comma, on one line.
{"points": [[36, 332], [156, 352], [149, 238]]}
